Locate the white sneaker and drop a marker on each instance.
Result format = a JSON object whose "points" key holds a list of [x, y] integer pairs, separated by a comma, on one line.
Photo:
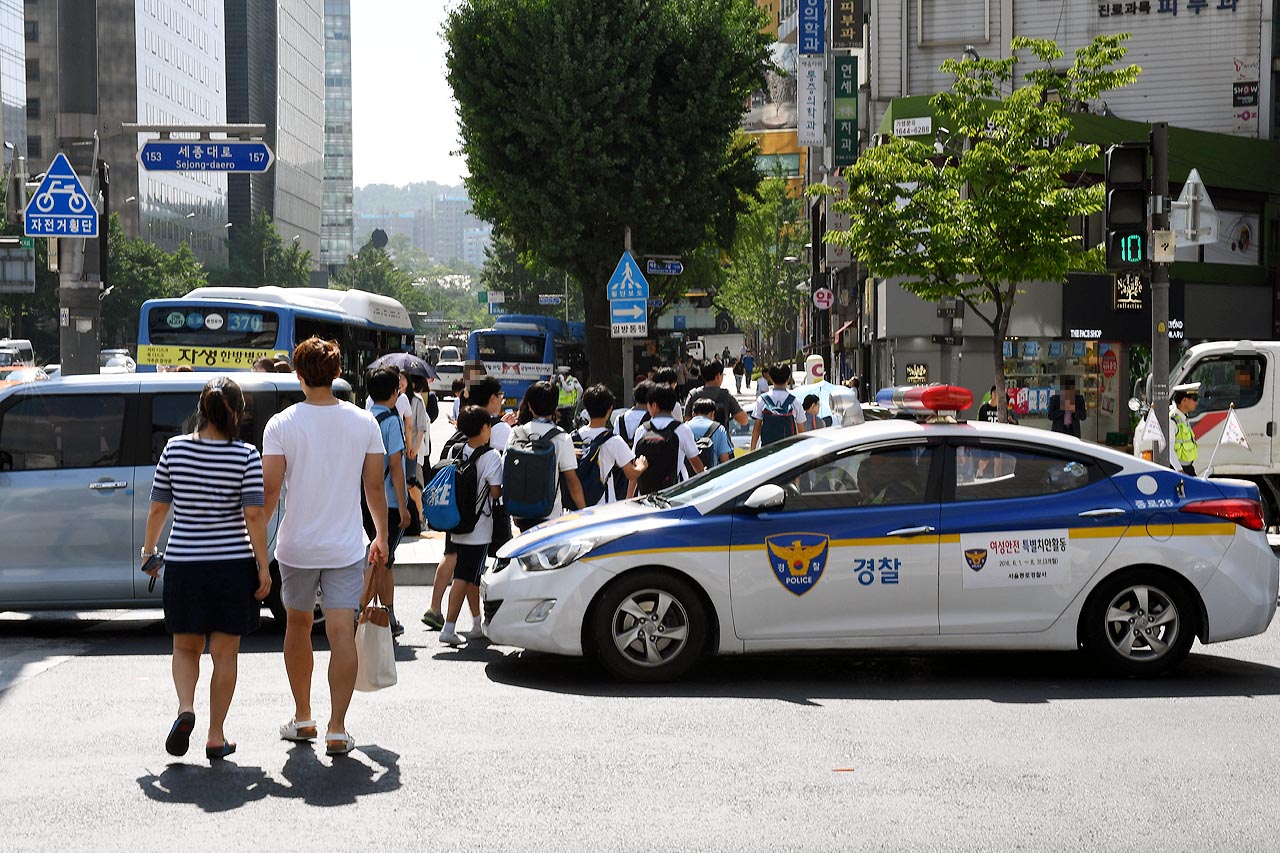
{"points": [[451, 638], [476, 633]]}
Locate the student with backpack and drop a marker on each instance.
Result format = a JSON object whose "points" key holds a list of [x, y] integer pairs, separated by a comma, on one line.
{"points": [[810, 404], [711, 437], [627, 423], [669, 377], [778, 413], [539, 455], [606, 463], [727, 405], [384, 389], [468, 498], [665, 443]]}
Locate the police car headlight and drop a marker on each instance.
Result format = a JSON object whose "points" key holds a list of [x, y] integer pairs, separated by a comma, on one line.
{"points": [[560, 554]]}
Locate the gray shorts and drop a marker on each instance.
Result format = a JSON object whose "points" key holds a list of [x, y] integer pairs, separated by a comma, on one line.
{"points": [[339, 588]]}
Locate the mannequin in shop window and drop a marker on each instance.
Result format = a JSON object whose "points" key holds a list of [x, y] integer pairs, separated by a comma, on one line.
{"points": [[1067, 410]]}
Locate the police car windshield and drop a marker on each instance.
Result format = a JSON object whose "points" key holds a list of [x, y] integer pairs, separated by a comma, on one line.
{"points": [[712, 481]]}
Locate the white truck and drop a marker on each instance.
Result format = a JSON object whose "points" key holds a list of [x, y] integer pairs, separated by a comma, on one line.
{"points": [[1243, 375]]}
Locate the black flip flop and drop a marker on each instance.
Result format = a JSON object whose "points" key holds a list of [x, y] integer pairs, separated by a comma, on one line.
{"points": [[217, 753], [179, 739]]}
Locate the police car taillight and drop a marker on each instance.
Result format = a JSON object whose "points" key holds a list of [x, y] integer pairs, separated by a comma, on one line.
{"points": [[926, 399], [1243, 512]]}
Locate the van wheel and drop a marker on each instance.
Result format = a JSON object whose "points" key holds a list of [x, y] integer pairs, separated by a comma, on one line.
{"points": [[1139, 623], [275, 605], [649, 626]]}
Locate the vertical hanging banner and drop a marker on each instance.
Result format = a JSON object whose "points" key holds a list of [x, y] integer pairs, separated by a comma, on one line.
{"points": [[811, 103], [845, 101], [837, 255], [846, 24], [811, 35]]}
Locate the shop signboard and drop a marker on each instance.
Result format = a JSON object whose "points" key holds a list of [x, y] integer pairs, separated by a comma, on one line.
{"points": [[1091, 310]]}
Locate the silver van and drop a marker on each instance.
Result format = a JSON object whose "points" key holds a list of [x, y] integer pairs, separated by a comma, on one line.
{"points": [[77, 457]]}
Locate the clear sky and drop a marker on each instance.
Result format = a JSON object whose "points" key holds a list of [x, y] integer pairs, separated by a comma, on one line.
{"points": [[403, 117]]}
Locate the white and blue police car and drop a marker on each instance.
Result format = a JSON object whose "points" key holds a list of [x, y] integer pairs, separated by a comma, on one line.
{"points": [[897, 534]]}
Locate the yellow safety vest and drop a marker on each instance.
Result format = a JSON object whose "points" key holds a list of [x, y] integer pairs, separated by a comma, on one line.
{"points": [[568, 394], [1184, 440]]}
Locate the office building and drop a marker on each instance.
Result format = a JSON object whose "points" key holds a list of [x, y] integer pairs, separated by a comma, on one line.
{"points": [[13, 76], [337, 211]]}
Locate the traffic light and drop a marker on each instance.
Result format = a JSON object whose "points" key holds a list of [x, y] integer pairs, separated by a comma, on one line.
{"points": [[1126, 206]]}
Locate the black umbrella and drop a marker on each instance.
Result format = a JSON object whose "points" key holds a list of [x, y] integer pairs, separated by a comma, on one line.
{"points": [[405, 362]]}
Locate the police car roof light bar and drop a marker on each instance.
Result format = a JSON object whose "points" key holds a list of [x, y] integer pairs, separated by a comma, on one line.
{"points": [[926, 399]]}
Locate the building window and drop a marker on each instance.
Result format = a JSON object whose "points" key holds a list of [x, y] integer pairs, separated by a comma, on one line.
{"points": [[33, 70], [34, 149], [33, 108], [32, 29]]}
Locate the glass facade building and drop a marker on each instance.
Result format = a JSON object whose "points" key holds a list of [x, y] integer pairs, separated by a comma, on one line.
{"points": [[337, 216], [13, 76]]}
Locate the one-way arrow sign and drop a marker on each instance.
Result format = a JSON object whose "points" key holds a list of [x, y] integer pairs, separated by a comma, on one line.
{"points": [[627, 310]]}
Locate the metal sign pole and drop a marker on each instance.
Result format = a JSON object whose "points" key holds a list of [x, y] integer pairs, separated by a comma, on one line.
{"points": [[1160, 282], [628, 347]]}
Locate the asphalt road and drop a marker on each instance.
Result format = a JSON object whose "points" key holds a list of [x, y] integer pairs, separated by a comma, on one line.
{"points": [[490, 749]]}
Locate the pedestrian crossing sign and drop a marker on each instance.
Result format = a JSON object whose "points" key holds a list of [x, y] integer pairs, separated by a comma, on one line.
{"points": [[627, 282]]}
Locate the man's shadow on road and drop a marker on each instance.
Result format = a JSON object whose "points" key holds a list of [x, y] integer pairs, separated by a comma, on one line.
{"points": [[225, 786]]}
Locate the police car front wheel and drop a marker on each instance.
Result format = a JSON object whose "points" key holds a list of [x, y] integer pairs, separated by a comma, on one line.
{"points": [[1140, 622], [649, 626]]}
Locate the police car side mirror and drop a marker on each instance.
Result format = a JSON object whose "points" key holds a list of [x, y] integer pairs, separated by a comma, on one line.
{"points": [[768, 496]]}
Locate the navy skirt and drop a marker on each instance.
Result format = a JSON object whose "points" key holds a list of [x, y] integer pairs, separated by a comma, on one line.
{"points": [[204, 596]]}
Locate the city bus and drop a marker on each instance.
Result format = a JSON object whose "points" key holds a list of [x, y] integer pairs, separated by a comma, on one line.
{"points": [[228, 328], [522, 349]]}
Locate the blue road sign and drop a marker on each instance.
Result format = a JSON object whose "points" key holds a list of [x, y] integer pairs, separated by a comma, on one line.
{"points": [[627, 282], [679, 321], [655, 266], [496, 308], [549, 299], [60, 206], [627, 311], [205, 155], [655, 303]]}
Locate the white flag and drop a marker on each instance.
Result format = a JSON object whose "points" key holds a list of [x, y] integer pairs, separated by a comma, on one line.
{"points": [[1151, 430], [1232, 433]]}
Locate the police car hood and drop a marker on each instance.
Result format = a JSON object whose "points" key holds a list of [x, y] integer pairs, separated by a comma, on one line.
{"points": [[613, 520]]}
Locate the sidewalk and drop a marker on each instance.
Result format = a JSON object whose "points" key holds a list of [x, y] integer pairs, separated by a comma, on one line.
{"points": [[416, 558]]}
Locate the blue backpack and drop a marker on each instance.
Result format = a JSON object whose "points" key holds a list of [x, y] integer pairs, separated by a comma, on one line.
{"points": [[777, 420], [589, 474], [451, 502], [530, 475]]}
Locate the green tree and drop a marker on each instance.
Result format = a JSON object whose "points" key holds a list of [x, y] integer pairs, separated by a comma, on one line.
{"points": [[372, 270], [759, 287], [259, 256], [983, 220], [138, 271], [580, 118], [522, 279]]}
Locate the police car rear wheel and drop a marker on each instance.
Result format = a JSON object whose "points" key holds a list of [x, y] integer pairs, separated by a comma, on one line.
{"points": [[1139, 623], [649, 626]]}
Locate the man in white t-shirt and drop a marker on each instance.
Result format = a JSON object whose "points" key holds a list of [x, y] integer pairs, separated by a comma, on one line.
{"points": [[775, 400], [323, 450], [627, 422], [664, 460], [615, 454], [542, 398]]}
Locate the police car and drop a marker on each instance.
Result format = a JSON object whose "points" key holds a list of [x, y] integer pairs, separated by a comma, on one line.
{"points": [[897, 534]]}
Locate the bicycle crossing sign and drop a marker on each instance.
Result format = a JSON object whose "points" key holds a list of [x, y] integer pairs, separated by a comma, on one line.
{"points": [[627, 282], [60, 206]]}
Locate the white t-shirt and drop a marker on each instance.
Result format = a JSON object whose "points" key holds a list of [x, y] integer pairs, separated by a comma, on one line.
{"points": [[613, 454], [778, 397], [324, 448], [566, 459], [631, 418], [403, 407], [488, 473], [499, 435], [688, 445]]}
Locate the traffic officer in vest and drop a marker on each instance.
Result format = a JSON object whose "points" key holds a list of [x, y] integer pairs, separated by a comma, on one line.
{"points": [[1182, 449], [570, 393]]}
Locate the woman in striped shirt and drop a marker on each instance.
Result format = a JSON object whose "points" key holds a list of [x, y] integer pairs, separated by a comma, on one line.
{"points": [[215, 567]]}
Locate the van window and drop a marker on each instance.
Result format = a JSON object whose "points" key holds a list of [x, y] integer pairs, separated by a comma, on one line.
{"points": [[1229, 379], [43, 432], [177, 414]]}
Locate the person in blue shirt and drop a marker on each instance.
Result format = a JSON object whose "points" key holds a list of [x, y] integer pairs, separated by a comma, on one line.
{"points": [[384, 388], [704, 425]]}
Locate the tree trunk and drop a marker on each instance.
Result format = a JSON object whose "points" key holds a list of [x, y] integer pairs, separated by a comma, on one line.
{"points": [[1001, 332], [604, 360]]}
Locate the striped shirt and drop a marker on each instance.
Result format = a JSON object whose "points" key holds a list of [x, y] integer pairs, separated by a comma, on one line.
{"points": [[209, 484]]}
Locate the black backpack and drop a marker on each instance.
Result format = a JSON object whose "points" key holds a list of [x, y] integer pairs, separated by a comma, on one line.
{"points": [[707, 447], [661, 447], [530, 473], [589, 474], [716, 395]]}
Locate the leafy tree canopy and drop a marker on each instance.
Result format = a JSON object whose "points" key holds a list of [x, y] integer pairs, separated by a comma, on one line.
{"points": [[580, 118], [259, 256], [139, 271]]}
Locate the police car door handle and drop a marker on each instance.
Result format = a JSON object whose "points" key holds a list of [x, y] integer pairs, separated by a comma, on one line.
{"points": [[912, 531], [1102, 513], [117, 484]]}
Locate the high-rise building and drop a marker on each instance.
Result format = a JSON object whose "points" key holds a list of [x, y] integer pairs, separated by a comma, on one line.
{"points": [[337, 214], [94, 66], [276, 70], [13, 77]]}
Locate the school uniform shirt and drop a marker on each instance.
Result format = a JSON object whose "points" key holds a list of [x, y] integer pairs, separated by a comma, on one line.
{"points": [[403, 408], [499, 435], [614, 453], [393, 442], [566, 459], [488, 473], [720, 443], [628, 422], [688, 445], [777, 397], [324, 448]]}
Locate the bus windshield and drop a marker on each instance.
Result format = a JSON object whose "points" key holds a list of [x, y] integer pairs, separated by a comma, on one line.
{"points": [[512, 346], [213, 326]]}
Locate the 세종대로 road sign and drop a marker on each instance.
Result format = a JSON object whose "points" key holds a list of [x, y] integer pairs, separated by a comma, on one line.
{"points": [[627, 282], [205, 155], [60, 206]]}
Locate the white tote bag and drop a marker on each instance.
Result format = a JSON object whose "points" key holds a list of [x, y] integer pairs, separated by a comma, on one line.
{"points": [[375, 649]]}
